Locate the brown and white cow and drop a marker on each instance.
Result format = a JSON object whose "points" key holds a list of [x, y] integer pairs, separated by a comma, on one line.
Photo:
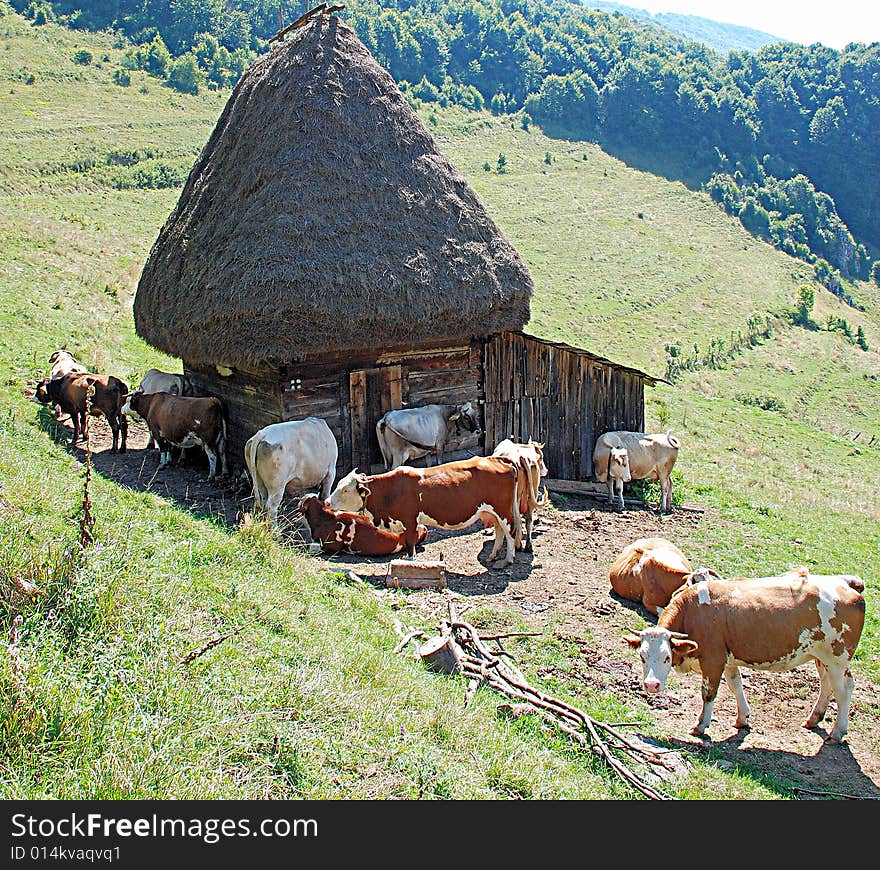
{"points": [[529, 459], [767, 623], [651, 570], [620, 457], [62, 362], [70, 392], [181, 421], [338, 531], [453, 495]]}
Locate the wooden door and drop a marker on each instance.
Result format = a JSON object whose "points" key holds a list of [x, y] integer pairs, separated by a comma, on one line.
{"points": [[372, 392]]}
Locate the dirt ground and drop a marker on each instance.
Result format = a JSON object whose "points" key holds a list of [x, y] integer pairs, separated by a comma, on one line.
{"points": [[562, 587]]}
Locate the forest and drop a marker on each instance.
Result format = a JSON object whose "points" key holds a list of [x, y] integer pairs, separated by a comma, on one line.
{"points": [[784, 138]]}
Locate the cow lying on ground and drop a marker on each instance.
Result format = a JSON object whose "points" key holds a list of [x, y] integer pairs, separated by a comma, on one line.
{"points": [[338, 531], [294, 456], [620, 457], [410, 433], [62, 362], [650, 570], [529, 459], [178, 421], [70, 392], [767, 623], [157, 381], [450, 496]]}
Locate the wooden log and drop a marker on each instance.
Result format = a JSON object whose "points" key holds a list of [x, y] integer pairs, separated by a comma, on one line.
{"points": [[442, 654], [416, 575]]}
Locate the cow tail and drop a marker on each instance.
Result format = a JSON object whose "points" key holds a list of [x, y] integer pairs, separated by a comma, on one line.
{"points": [[383, 447], [517, 517], [250, 460]]}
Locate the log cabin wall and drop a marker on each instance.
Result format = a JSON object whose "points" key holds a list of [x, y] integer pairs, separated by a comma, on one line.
{"points": [[252, 401], [558, 395]]}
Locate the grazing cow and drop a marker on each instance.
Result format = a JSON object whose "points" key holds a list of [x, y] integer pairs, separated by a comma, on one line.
{"points": [[410, 433], [766, 623], [157, 381], [651, 570], [337, 531], [180, 421], [62, 362], [620, 457], [529, 459], [70, 392], [450, 496], [290, 457]]}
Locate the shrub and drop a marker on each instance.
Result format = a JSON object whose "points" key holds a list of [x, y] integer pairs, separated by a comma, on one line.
{"points": [[121, 77], [83, 57], [501, 166], [875, 272], [764, 402], [861, 341], [185, 74]]}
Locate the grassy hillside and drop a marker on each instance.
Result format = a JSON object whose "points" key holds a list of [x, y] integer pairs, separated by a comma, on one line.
{"points": [[306, 699]]}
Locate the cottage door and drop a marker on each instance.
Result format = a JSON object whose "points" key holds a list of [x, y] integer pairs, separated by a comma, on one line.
{"points": [[372, 392]]}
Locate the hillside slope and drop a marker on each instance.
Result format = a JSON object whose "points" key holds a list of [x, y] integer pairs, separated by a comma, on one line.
{"points": [[305, 698], [720, 36]]}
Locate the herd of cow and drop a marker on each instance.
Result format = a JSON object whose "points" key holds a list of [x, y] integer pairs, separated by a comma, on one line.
{"points": [[705, 623]]}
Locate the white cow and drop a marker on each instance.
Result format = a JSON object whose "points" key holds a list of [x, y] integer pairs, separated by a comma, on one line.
{"points": [[620, 457], [410, 433], [529, 460], [291, 457]]}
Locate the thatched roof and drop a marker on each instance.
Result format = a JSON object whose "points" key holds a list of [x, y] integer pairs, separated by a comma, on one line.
{"points": [[321, 216]]}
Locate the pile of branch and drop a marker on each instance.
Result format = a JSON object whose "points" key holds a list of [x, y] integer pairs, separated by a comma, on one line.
{"points": [[459, 649]]}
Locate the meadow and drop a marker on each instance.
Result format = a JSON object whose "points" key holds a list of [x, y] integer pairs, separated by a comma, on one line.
{"points": [[305, 698]]}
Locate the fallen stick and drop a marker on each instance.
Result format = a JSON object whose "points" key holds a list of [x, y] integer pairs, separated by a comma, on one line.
{"points": [[194, 654]]}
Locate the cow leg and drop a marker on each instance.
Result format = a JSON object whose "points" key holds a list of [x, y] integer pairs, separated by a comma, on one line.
{"points": [[114, 428], [666, 500], [212, 463], [610, 491], [842, 684], [709, 691], [164, 453], [411, 536], [123, 429], [528, 523], [273, 502], [327, 484], [502, 534], [734, 680], [825, 691]]}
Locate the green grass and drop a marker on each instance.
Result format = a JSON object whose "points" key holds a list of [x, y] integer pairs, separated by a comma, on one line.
{"points": [[306, 700]]}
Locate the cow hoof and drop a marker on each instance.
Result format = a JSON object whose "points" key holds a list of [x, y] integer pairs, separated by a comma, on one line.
{"points": [[835, 739], [742, 726], [699, 732], [812, 722]]}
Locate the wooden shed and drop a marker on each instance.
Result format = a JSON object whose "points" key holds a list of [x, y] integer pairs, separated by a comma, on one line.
{"points": [[326, 259]]}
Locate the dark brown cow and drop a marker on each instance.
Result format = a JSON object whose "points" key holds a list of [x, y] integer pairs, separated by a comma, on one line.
{"points": [[766, 623], [180, 421], [450, 496], [338, 531], [70, 392]]}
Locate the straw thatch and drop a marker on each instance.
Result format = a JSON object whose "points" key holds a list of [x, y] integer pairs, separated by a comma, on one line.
{"points": [[320, 217]]}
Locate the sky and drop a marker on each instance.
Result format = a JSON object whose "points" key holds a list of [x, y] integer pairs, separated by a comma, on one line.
{"points": [[833, 23]]}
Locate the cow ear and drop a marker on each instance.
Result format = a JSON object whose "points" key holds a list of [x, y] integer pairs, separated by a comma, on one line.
{"points": [[632, 640], [682, 648], [454, 417]]}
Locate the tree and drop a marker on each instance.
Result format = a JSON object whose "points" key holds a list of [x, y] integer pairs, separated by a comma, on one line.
{"points": [[185, 74], [805, 302]]}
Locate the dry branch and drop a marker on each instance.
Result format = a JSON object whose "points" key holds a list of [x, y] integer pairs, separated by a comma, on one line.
{"points": [[194, 654], [460, 649]]}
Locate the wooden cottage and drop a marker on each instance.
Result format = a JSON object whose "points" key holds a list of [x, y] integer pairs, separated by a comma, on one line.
{"points": [[326, 259]]}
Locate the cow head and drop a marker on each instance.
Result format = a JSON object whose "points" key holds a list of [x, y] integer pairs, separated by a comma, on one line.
{"points": [[133, 403], [539, 453], [465, 418], [618, 464], [701, 575], [660, 651], [41, 394], [351, 493]]}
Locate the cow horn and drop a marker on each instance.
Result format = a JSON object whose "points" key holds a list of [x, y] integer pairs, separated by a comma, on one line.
{"points": [[455, 417], [678, 634]]}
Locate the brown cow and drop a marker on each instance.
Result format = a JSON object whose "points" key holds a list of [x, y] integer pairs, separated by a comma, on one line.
{"points": [[70, 392], [767, 623], [181, 421], [650, 570], [337, 531], [450, 496]]}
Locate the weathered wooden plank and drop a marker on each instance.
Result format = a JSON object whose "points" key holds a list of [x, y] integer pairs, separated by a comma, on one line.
{"points": [[392, 388], [360, 449]]}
